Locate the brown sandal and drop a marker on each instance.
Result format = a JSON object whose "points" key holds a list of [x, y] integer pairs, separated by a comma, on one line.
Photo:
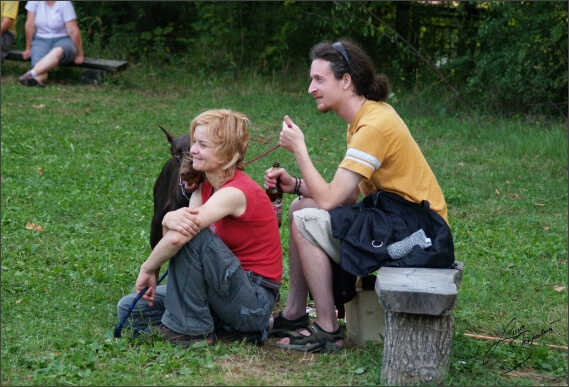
{"points": [[283, 325], [318, 340]]}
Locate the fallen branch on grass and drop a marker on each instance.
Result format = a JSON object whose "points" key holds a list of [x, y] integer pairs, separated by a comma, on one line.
{"points": [[490, 338]]}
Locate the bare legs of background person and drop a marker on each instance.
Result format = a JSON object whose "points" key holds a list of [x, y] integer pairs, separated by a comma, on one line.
{"points": [[38, 74], [48, 63]]}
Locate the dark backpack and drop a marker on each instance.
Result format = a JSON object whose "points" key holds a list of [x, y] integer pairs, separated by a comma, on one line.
{"points": [[383, 218]]}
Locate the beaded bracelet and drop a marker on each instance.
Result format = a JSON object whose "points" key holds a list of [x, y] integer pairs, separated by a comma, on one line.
{"points": [[295, 190], [297, 184]]}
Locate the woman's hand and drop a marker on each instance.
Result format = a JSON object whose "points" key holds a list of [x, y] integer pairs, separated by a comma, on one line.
{"points": [[26, 54], [79, 59], [183, 220], [147, 279]]}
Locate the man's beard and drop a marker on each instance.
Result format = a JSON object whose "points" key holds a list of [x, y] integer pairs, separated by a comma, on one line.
{"points": [[323, 108]]}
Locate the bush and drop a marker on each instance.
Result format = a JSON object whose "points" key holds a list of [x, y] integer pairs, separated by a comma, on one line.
{"points": [[522, 58]]}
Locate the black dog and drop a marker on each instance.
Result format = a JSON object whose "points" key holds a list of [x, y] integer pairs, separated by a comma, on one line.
{"points": [[170, 192]]}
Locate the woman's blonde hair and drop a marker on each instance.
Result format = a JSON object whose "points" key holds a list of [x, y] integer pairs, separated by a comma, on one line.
{"points": [[229, 134]]}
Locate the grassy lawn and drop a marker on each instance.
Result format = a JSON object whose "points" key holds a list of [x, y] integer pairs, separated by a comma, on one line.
{"points": [[78, 167]]}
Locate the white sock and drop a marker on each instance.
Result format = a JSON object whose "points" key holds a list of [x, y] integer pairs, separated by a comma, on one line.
{"points": [[33, 72]]}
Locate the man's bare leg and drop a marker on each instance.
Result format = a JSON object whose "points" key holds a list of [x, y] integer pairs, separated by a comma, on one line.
{"points": [[316, 272], [298, 292]]}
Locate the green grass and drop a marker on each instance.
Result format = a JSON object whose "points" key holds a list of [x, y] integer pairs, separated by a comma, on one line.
{"points": [[80, 162]]}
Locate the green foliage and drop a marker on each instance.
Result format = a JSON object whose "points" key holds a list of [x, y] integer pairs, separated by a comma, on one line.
{"points": [[521, 61], [500, 57]]}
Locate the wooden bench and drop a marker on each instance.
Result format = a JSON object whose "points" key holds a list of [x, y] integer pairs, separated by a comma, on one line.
{"points": [[95, 68], [415, 321]]}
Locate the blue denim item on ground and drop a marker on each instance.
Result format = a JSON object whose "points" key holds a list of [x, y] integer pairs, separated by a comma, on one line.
{"points": [[204, 274]]}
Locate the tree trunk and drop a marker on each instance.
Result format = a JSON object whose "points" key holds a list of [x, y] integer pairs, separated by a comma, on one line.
{"points": [[417, 348]]}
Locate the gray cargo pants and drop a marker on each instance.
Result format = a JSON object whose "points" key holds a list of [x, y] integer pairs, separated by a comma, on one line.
{"points": [[205, 281]]}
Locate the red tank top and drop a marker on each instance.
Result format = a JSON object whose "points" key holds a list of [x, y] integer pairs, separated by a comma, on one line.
{"points": [[254, 236]]}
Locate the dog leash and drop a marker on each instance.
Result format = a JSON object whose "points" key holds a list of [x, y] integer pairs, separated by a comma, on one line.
{"points": [[267, 152], [263, 154], [118, 328]]}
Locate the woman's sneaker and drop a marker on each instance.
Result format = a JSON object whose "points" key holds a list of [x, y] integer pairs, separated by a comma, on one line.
{"points": [[186, 340]]}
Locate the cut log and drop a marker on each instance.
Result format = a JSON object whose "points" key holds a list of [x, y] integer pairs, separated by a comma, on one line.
{"points": [[417, 348], [419, 318]]}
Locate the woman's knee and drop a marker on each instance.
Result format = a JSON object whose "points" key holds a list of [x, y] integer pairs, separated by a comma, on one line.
{"points": [[58, 52]]}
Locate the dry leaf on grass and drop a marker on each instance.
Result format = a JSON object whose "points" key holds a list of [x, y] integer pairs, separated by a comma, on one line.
{"points": [[559, 288], [34, 226]]}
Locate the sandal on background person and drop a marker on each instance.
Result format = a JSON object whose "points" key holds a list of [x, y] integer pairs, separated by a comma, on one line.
{"points": [[282, 325], [318, 341], [29, 80]]}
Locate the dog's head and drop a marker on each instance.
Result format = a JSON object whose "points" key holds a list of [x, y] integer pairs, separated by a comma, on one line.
{"points": [[179, 147], [189, 176], [180, 151]]}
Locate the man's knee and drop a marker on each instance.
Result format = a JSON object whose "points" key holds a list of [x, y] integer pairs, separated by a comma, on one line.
{"points": [[314, 225], [299, 204]]}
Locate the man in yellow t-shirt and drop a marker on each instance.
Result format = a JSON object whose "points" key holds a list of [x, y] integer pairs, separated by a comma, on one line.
{"points": [[381, 156], [9, 18]]}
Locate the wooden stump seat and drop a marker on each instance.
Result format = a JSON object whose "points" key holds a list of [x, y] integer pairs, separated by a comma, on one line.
{"points": [[419, 304]]}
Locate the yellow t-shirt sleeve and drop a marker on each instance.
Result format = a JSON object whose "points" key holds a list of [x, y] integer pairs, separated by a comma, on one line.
{"points": [[10, 9]]}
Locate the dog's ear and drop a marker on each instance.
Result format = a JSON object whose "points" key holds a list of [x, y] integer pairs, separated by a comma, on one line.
{"points": [[168, 135]]}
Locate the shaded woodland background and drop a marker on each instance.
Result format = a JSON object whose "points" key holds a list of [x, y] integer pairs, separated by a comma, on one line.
{"points": [[504, 57]]}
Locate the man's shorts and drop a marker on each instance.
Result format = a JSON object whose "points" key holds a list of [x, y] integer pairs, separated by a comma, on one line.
{"points": [[42, 46], [315, 226]]}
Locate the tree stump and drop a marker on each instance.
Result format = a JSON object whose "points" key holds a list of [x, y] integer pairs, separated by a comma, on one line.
{"points": [[418, 305]]}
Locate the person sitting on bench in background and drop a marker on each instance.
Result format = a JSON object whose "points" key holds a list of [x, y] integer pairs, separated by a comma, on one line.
{"points": [[9, 19], [381, 156], [52, 38]]}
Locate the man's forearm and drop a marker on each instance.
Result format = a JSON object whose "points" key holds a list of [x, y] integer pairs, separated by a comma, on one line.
{"points": [[6, 24]]}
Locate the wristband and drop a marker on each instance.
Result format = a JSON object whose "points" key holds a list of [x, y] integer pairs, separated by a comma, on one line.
{"points": [[298, 182], [295, 186]]}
